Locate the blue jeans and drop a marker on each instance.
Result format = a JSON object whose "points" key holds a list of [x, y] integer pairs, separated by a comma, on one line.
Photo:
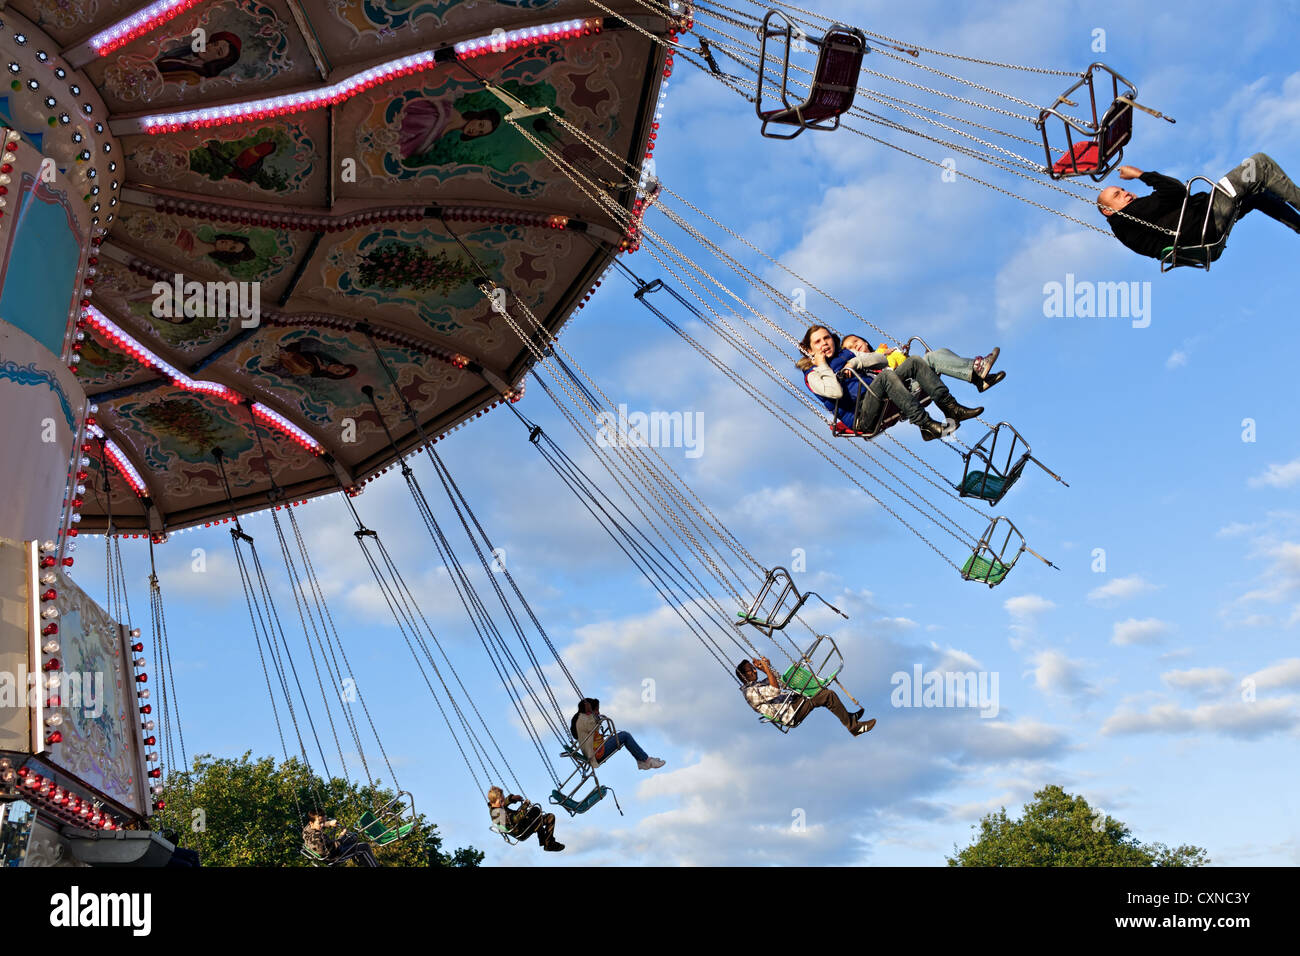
{"points": [[623, 739], [948, 362]]}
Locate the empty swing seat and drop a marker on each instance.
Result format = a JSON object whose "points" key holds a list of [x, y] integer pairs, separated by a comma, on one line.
{"points": [[995, 555], [1094, 141], [1001, 460], [574, 807], [777, 602], [834, 83]]}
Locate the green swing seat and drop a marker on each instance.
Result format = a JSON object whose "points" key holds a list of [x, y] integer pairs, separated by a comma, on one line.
{"points": [[310, 854], [1198, 257], [380, 833], [980, 568], [803, 681]]}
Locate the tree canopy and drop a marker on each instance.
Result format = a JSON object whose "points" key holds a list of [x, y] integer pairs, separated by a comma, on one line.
{"points": [[251, 813], [1058, 829]]}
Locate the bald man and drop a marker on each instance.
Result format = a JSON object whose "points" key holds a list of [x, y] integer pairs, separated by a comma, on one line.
{"points": [[1258, 183]]}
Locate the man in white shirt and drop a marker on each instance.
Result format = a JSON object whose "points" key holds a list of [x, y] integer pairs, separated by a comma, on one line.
{"points": [[766, 695]]}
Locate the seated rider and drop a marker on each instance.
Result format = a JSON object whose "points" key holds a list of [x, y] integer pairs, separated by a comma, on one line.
{"points": [[943, 361], [1258, 183], [585, 726], [858, 400], [766, 695], [345, 847], [523, 822]]}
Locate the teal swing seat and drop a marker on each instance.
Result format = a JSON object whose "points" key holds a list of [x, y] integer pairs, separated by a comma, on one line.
{"points": [[990, 471], [566, 795], [988, 486], [575, 807]]}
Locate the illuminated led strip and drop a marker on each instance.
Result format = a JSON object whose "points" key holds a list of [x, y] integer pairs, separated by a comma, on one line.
{"points": [[338, 92], [117, 458], [526, 36], [277, 420], [107, 327], [110, 330], [124, 31]]}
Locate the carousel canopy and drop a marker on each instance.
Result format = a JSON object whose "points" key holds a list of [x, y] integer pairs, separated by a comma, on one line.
{"points": [[306, 187]]}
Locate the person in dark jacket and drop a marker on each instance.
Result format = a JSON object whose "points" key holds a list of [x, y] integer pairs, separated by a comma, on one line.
{"points": [[854, 386], [346, 847], [1149, 222]]}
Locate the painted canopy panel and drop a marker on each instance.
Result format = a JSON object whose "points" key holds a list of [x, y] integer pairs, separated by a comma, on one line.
{"points": [[380, 213]]}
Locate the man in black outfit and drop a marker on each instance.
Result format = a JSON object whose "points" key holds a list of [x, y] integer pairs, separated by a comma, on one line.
{"points": [[1258, 183]]}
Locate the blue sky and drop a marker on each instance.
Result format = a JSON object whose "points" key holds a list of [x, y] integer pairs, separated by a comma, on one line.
{"points": [[1124, 685]]}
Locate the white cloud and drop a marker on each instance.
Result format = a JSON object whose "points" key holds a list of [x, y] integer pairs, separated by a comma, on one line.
{"points": [[1236, 529], [1027, 606], [1054, 673], [1236, 719], [1273, 116], [1132, 631], [1121, 589], [1177, 359], [1047, 256], [1278, 476], [1200, 680], [1285, 673]]}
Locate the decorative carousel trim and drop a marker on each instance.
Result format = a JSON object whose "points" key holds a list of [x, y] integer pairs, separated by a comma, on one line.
{"points": [[110, 330], [124, 31], [125, 468], [276, 219], [275, 106]]}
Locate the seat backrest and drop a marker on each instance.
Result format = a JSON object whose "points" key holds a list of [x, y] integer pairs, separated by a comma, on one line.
{"points": [[835, 81], [372, 826], [1116, 130], [803, 681]]}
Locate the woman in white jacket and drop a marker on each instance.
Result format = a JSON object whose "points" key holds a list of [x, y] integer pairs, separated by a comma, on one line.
{"points": [[596, 748]]}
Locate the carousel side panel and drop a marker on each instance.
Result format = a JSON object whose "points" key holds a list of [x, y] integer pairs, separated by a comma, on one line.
{"points": [[15, 647], [100, 711], [43, 408]]}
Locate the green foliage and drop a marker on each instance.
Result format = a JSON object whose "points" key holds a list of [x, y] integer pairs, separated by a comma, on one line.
{"points": [[251, 813], [1058, 829]]}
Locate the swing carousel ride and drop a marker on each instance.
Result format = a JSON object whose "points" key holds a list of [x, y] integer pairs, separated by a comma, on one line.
{"points": [[260, 251]]}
